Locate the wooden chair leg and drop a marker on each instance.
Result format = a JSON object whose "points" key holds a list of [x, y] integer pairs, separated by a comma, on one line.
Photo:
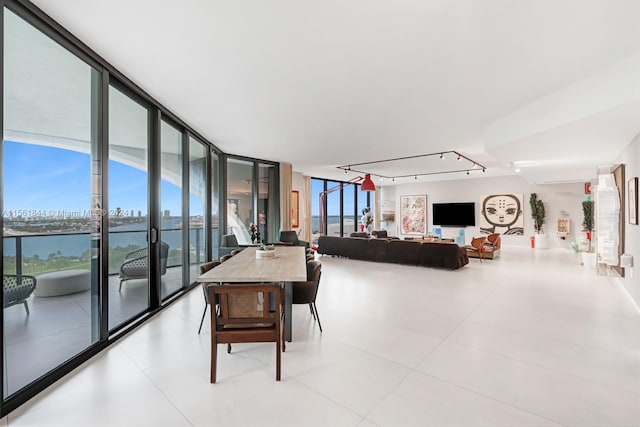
{"points": [[228, 347], [214, 358], [278, 356], [311, 310]]}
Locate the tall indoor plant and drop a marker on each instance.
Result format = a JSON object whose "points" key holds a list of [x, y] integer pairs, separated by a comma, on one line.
{"points": [[587, 223], [538, 214]]}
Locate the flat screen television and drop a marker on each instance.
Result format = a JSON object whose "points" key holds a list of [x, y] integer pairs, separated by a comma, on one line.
{"points": [[454, 214]]}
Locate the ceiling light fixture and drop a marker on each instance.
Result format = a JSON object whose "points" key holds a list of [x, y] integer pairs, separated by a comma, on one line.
{"points": [[412, 165], [367, 184], [467, 172]]}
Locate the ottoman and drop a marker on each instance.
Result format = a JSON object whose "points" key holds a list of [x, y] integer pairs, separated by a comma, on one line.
{"points": [[62, 283]]}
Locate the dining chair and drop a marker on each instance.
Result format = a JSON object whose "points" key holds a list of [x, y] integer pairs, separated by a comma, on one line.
{"points": [[476, 247], [244, 315], [226, 258], [236, 251], [203, 269], [306, 292]]}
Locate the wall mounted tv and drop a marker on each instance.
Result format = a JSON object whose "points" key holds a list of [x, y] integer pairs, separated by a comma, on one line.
{"points": [[454, 214]]}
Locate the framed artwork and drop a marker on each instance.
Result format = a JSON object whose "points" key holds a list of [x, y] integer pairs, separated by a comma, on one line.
{"points": [[632, 200], [413, 212], [295, 209], [502, 213]]}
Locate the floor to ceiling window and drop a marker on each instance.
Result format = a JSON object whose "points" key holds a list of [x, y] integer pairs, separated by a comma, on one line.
{"points": [[105, 198], [171, 204], [266, 206], [240, 212], [340, 203], [197, 203], [317, 187], [215, 204], [128, 208], [349, 219], [49, 171]]}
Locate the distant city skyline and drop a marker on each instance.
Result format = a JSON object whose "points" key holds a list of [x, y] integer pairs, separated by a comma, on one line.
{"points": [[52, 181]]}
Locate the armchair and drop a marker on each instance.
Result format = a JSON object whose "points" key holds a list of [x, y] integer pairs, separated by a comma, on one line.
{"points": [[136, 264], [16, 290]]}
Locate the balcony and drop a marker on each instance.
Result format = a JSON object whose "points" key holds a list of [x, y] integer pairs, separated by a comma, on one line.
{"points": [[60, 327]]}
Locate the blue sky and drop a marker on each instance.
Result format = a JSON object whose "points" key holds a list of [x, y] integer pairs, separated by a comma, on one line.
{"points": [[333, 199], [40, 178]]}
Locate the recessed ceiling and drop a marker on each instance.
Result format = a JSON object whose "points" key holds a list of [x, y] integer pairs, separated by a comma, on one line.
{"points": [[322, 84]]}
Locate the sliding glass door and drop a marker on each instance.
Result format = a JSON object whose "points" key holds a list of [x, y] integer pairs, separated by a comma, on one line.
{"points": [[128, 216], [50, 190]]}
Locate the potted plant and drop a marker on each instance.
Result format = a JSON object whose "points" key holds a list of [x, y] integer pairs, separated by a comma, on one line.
{"points": [[588, 258], [538, 214], [587, 210]]}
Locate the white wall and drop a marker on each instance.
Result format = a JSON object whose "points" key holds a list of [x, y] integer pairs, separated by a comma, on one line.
{"points": [[630, 157], [556, 198]]}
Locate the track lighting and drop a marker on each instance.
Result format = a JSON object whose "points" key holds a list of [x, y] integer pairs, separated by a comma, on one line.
{"points": [[459, 157], [467, 172], [441, 156]]}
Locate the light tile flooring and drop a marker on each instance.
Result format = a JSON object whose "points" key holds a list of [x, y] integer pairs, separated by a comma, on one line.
{"points": [[529, 339]]}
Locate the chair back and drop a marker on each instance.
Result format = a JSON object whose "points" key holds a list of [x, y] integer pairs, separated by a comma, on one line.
{"points": [[229, 241], [244, 315], [477, 242], [208, 266], [225, 258], [289, 237], [306, 292]]}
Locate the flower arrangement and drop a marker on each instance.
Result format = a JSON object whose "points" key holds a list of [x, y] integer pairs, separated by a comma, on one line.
{"points": [[255, 234], [264, 247]]}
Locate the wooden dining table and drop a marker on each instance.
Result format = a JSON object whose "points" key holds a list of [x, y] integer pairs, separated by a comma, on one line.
{"points": [[287, 266]]}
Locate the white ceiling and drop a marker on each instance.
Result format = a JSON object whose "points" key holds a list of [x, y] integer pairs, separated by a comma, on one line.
{"points": [[322, 84]]}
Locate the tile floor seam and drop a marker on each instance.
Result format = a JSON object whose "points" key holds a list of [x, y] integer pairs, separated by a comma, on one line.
{"points": [[442, 340], [506, 356], [173, 404], [330, 399], [491, 398], [538, 335]]}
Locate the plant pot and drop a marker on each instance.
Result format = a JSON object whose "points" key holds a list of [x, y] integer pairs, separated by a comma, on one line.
{"points": [[541, 241], [588, 259]]}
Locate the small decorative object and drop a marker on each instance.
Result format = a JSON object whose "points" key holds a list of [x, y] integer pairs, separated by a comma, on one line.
{"points": [[563, 225], [255, 234], [265, 251], [366, 220]]}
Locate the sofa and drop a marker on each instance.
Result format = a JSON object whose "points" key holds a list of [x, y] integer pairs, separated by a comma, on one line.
{"points": [[427, 254]]}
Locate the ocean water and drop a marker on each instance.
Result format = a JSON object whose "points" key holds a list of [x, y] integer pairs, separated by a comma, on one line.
{"points": [[74, 245]]}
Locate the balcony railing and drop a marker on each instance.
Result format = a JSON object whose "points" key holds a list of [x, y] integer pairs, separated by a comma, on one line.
{"points": [[41, 253]]}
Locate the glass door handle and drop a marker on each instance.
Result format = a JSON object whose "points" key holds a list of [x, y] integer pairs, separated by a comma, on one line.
{"points": [[154, 235]]}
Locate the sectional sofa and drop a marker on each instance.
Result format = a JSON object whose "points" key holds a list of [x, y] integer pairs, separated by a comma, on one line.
{"points": [[438, 254]]}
